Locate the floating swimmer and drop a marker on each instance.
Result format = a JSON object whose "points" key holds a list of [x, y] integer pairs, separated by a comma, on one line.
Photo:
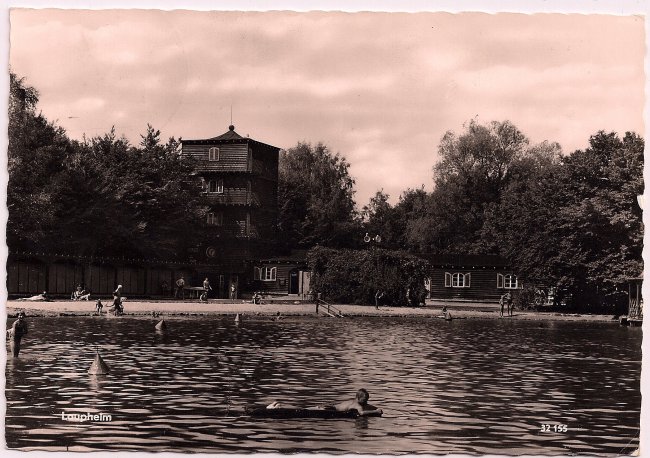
{"points": [[353, 408]]}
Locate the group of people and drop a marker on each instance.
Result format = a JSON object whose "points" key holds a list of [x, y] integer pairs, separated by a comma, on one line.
{"points": [[117, 308], [80, 294], [179, 292], [414, 297]]}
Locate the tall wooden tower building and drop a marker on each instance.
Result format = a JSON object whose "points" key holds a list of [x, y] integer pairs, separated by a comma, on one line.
{"points": [[239, 176]]}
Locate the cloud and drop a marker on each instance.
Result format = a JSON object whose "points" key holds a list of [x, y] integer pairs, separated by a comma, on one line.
{"points": [[381, 88]]}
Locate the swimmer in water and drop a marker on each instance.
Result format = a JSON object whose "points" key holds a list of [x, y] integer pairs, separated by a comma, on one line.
{"points": [[359, 403]]}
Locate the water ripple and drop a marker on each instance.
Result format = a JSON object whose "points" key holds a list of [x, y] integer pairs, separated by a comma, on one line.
{"points": [[471, 386]]}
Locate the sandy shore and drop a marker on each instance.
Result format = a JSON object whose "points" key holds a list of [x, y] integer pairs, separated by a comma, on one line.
{"points": [[223, 307]]}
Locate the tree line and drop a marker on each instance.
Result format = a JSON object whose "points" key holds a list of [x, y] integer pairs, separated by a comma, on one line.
{"points": [[98, 197], [567, 221], [571, 221]]}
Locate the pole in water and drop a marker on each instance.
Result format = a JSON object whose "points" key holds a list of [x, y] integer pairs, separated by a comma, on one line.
{"points": [[98, 366], [161, 326]]}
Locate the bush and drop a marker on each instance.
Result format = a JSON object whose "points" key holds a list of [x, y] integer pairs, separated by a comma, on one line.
{"points": [[354, 276], [527, 298]]}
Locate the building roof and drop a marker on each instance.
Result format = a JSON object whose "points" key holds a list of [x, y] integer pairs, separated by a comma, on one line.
{"points": [[467, 260], [228, 137], [295, 257]]}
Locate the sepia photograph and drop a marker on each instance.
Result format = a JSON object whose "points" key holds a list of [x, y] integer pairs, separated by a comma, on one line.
{"points": [[324, 232]]}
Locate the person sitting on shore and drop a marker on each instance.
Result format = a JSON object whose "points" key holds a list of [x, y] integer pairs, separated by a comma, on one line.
{"points": [[80, 294], [76, 294], [359, 403]]}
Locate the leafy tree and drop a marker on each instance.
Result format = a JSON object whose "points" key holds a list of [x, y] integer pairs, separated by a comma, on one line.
{"points": [[394, 223], [36, 154], [99, 197], [141, 202], [377, 217], [574, 222], [474, 171], [599, 228], [316, 204]]}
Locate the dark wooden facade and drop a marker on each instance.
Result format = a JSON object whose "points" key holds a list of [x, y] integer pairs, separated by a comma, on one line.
{"points": [[470, 277], [239, 177], [282, 275], [32, 273]]}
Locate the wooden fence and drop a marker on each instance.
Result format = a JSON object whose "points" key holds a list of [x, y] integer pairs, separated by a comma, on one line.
{"points": [[28, 277]]}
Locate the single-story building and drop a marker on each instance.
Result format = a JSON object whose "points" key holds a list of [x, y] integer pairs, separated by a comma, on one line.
{"points": [[282, 275], [470, 277]]}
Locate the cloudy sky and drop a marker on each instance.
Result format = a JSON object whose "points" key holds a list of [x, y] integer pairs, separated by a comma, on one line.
{"points": [[380, 88]]}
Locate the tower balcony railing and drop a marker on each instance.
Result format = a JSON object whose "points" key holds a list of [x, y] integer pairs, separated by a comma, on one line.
{"points": [[255, 168], [234, 197]]}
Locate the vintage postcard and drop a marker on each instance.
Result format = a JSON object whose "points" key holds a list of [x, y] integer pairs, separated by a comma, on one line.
{"points": [[324, 232]]}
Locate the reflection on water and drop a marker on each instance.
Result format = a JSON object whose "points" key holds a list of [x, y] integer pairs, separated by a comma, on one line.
{"points": [[473, 386]]}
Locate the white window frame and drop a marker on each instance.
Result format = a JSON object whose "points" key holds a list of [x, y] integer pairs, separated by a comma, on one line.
{"points": [[457, 279], [505, 281], [218, 186], [214, 154], [268, 273]]}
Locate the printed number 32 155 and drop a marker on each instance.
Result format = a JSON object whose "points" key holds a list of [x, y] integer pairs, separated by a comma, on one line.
{"points": [[554, 428]]}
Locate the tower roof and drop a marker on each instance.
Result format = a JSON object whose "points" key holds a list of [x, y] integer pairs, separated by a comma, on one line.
{"points": [[228, 137]]}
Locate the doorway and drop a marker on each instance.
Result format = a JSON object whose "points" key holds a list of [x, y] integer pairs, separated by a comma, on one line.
{"points": [[294, 285]]}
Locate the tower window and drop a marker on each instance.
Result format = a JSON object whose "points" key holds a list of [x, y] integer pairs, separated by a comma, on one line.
{"points": [[215, 219], [215, 186], [213, 154]]}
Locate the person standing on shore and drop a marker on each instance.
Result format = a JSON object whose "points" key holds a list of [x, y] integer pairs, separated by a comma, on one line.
{"points": [[233, 292], [117, 301], [99, 306], [508, 300], [502, 302], [378, 295], [180, 287], [16, 333], [206, 289]]}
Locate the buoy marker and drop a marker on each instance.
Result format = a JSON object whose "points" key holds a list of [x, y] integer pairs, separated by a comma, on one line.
{"points": [[98, 366]]}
